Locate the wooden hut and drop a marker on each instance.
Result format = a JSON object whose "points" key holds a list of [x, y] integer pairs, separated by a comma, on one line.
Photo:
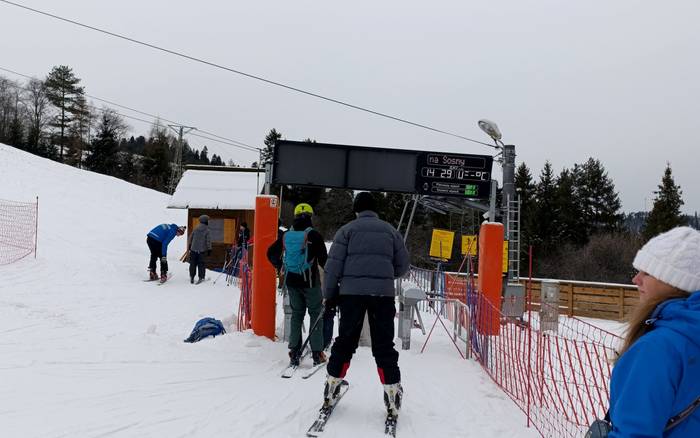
{"points": [[227, 196]]}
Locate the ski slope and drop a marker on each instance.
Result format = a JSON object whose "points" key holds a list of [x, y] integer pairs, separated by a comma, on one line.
{"points": [[89, 350]]}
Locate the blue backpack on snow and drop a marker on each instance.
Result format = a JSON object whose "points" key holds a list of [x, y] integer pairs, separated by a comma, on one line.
{"points": [[296, 254], [206, 327]]}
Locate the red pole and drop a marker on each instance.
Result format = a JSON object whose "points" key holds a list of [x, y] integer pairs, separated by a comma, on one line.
{"points": [[263, 297], [529, 335], [36, 226]]}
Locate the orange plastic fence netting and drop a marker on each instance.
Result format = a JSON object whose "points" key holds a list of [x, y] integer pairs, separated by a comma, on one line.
{"points": [[18, 222]]}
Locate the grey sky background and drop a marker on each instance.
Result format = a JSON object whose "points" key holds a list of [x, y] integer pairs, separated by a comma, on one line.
{"points": [[614, 80]]}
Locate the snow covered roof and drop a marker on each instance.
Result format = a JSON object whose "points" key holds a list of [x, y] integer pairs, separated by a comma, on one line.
{"points": [[222, 190]]}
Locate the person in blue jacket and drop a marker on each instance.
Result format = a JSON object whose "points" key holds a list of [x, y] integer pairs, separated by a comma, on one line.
{"points": [[655, 384], [158, 239]]}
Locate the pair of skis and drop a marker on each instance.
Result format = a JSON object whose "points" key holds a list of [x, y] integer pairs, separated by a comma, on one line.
{"points": [[288, 372], [318, 426], [148, 280]]}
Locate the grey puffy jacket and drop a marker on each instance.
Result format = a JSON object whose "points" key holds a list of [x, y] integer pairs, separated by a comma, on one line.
{"points": [[366, 256], [200, 240]]}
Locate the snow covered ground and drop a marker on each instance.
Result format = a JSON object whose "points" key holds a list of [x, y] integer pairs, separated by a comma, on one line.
{"points": [[89, 350]]}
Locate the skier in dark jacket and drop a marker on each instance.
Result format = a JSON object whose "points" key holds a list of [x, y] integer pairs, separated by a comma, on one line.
{"points": [[366, 257], [158, 240], [304, 287], [657, 375], [198, 245]]}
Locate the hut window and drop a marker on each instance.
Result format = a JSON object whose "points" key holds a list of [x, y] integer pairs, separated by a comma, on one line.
{"points": [[216, 228], [229, 230]]}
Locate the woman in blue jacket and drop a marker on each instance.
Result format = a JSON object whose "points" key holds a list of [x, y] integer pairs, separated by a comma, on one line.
{"points": [[655, 385], [158, 240]]}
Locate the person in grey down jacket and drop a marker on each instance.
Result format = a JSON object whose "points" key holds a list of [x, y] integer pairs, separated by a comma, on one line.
{"points": [[366, 257], [199, 244]]}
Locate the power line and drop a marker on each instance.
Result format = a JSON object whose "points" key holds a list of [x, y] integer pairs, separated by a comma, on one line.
{"points": [[223, 140], [242, 73]]}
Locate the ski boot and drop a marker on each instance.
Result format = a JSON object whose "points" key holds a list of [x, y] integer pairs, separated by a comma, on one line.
{"points": [[318, 357], [191, 280], [392, 398], [152, 275], [331, 390], [294, 358], [163, 277]]}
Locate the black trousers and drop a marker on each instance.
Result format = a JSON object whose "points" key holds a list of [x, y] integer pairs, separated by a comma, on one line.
{"points": [[197, 264], [380, 314], [156, 248], [328, 322]]}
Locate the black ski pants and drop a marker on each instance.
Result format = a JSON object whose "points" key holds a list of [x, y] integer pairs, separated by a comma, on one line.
{"points": [[197, 264], [380, 314], [156, 248]]}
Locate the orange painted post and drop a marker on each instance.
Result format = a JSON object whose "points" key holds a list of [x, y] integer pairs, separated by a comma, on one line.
{"points": [[265, 234], [490, 277]]}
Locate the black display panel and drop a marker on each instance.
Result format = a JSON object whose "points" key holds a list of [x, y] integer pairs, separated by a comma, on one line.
{"points": [[382, 169]]}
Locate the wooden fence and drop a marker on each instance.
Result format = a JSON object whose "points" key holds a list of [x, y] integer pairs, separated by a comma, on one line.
{"points": [[595, 300]]}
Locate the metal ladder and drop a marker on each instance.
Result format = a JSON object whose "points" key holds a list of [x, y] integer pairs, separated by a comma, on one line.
{"points": [[513, 236]]}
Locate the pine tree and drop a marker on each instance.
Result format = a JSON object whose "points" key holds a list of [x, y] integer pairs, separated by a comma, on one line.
{"points": [[156, 163], [525, 188], [334, 210], [78, 132], [128, 171], [666, 212], [203, 156], [267, 152], [567, 215], [104, 157], [544, 233], [599, 201], [63, 92]]}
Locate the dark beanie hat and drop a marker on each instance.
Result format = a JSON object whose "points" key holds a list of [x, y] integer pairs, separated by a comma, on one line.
{"points": [[364, 201]]}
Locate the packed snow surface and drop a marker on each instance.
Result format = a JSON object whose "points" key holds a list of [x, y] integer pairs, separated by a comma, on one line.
{"points": [[90, 350]]}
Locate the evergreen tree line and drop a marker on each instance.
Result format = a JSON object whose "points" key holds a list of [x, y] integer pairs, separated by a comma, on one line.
{"points": [[574, 223], [52, 118]]}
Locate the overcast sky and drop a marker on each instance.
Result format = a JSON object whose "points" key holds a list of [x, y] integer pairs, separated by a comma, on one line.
{"points": [[614, 80]]}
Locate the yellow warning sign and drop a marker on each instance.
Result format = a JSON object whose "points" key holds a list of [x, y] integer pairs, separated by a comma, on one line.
{"points": [[505, 256], [441, 244], [469, 244]]}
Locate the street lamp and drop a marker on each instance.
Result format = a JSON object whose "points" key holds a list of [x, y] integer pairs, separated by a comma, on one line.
{"points": [[491, 129]]}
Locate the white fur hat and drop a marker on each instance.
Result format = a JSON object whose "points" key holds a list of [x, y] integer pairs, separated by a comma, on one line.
{"points": [[672, 257]]}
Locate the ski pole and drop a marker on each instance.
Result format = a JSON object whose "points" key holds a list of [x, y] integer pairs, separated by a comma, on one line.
{"points": [[313, 327]]}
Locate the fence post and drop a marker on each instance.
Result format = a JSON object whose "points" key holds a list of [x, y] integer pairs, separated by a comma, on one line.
{"points": [[571, 300], [621, 295], [529, 335]]}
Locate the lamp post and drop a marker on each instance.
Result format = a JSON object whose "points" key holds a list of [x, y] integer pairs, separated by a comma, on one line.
{"points": [[507, 160]]}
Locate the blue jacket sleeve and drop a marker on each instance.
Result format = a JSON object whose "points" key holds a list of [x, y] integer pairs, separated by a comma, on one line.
{"points": [[335, 263], [643, 387]]}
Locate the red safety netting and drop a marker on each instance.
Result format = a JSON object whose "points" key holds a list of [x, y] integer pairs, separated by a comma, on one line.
{"points": [[557, 372], [18, 224]]}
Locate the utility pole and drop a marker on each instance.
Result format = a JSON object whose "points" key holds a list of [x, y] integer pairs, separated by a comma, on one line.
{"points": [[176, 172]]}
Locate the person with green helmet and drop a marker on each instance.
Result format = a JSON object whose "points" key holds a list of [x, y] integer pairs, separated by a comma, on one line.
{"points": [[299, 252]]}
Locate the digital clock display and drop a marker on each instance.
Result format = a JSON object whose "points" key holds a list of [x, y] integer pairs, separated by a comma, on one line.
{"points": [[467, 176]]}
